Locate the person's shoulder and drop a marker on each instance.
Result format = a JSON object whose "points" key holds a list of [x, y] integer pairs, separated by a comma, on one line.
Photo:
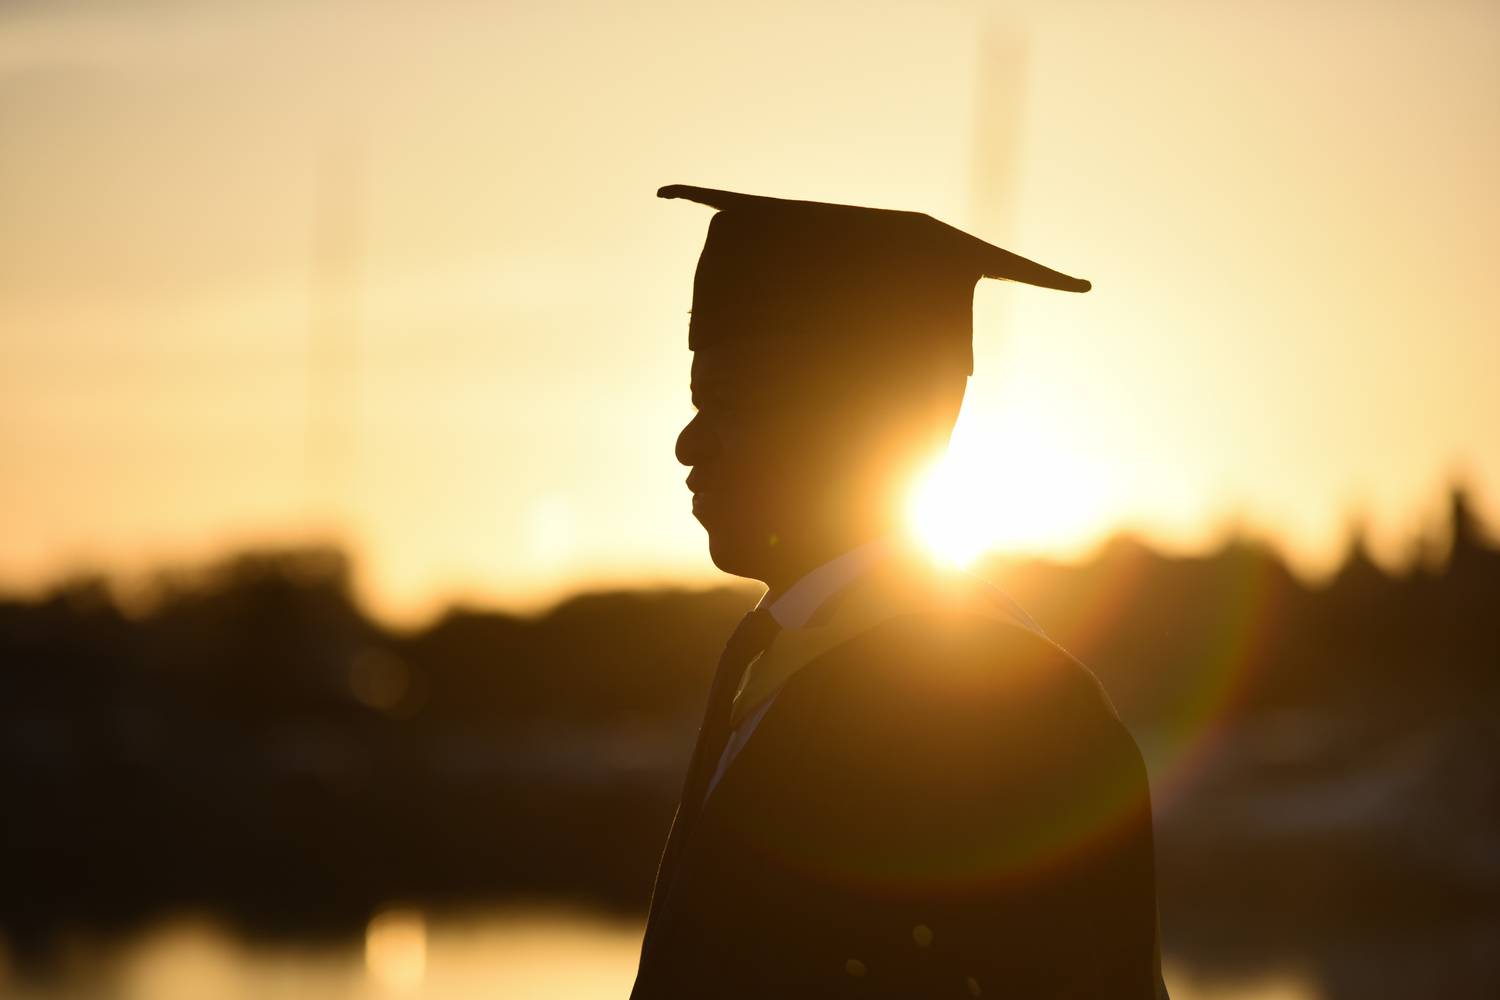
{"points": [[946, 732], [959, 649]]}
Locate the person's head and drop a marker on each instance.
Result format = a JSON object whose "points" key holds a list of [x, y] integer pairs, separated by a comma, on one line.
{"points": [[831, 348]]}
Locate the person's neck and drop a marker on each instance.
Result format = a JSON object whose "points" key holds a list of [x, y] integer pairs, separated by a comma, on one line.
{"points": [[793, 566]]}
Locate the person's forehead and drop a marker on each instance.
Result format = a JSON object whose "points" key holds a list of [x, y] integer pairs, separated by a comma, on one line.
{"points": [[731, 364], [771, 382]]}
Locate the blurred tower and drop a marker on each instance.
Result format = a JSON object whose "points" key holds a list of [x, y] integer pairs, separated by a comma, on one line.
{"points": [[999, 109], [333, 331]]}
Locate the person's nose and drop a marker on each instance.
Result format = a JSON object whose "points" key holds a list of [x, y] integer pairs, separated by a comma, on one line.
{"points": [[694, 443]]}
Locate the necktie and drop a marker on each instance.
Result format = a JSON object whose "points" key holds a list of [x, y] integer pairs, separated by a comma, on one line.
{"points": [[753, 634]]}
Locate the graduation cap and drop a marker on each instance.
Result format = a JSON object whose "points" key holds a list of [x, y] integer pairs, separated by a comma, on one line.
{"points": [[844, 284]]}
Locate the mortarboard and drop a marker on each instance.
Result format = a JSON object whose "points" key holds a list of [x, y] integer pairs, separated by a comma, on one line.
{"points": [[843, 283]]}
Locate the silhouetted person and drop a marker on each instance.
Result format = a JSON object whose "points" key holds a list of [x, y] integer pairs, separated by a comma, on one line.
{"points": [[902, 787]]}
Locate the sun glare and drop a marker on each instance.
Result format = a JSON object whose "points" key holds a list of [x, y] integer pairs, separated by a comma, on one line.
{"points": [[944, 517], [1014, 495]]}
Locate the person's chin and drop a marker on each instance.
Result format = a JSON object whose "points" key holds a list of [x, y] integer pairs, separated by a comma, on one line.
{"points": [[732, 548]]}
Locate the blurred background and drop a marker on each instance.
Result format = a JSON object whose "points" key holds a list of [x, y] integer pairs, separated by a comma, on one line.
{"points": [[355, 626]]}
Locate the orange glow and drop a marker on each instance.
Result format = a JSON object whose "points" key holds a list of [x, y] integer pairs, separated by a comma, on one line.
{"points": [[407, 282]]}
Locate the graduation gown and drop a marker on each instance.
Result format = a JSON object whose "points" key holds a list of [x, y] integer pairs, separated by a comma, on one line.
{"points": [[937, 802]]}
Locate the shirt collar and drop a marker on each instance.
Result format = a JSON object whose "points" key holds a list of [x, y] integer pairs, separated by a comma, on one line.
{"points": [[802, 599]]}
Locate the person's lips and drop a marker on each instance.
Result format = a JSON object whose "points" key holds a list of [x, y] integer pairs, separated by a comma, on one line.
{"points": [[705, 498], [706, 502]]}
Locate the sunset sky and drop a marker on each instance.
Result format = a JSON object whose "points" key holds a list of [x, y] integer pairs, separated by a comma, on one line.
{"points": [[397, 269]]}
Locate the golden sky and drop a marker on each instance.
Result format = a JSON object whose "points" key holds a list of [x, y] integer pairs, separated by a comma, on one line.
{"points": [[1287, 210]]}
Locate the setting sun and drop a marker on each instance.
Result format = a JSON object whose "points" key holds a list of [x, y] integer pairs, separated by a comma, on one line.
{"points": [[975, 499]]}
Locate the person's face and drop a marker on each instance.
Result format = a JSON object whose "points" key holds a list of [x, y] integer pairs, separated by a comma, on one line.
{"points": [[762, 457], [793, 460]]}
